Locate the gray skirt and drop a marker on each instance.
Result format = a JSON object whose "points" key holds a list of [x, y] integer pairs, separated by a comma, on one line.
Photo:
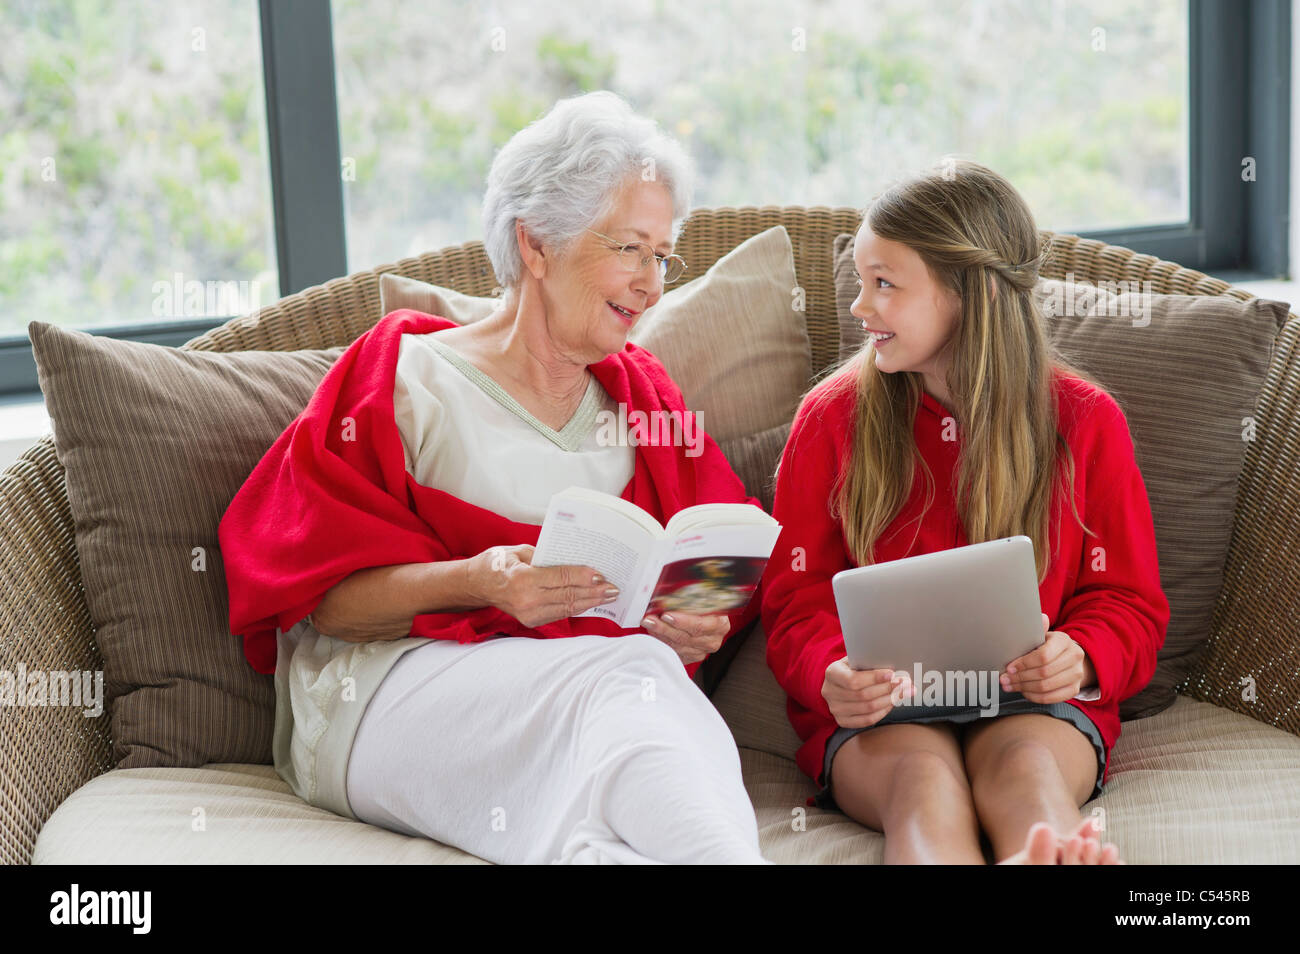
{"points": [[1009, 703]]}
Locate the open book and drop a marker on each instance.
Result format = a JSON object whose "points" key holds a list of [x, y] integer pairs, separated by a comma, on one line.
{"points": [[708, 559]]}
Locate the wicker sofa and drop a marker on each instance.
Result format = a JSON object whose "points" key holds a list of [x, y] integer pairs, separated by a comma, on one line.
{"points": [[59, 789]]}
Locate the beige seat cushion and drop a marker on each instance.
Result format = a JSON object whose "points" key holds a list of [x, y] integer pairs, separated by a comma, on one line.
{"points": [[790, 833], [1193, 784], [249, 814]]}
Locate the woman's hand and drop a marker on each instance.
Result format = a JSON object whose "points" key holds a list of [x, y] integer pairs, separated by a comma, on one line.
{"points": [[1057, 670], [505, 578], [693, 635], [858, 698]]}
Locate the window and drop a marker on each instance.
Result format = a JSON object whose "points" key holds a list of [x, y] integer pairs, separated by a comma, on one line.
{"points": [[133, 172], [1083, 105], [164, 166]]}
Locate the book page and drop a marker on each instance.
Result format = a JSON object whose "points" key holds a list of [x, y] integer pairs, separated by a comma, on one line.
{"points": [[717, 515], [628, 509], [579, 533]]}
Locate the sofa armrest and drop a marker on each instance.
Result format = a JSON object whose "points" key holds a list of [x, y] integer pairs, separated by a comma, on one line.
{"points": [[1255, 632], [46, 751]]}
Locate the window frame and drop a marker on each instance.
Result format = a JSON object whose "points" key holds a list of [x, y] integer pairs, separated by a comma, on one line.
{"points": [[1239, 70]]}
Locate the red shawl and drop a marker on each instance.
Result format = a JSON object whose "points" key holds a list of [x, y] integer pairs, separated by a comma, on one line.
{"points": [[332, 496]]}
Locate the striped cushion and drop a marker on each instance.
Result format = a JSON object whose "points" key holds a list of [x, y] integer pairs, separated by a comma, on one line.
{"points": [[1188, 377], [754, 458], [155, 442]]}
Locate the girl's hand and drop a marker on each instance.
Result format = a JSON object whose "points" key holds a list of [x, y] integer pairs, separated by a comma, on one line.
{"points": [[1054, 672], [858, 698], [693, 635]]}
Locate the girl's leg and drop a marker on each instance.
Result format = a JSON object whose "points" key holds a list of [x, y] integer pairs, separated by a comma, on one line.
{"points": [[1027, 768], [908, 781]]}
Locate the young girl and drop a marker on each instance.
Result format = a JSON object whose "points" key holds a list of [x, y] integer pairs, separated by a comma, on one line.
{"points": [[958, 378]]}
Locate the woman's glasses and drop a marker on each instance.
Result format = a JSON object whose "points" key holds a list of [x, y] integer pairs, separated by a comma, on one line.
{"points": [[634, 256]]}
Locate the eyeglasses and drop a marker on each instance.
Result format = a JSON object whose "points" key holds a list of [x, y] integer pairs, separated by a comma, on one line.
{"points": [[634, 256]]}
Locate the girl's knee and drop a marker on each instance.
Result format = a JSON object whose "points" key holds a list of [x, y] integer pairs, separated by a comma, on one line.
{"points": [[1015, 757], [909, 773], [923, 770], [912, 783]]}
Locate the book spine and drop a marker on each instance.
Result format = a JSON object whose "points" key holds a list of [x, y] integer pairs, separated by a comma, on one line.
{"points": [[649, 578]]}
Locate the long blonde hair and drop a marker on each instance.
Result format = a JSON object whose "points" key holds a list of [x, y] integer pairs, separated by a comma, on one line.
{"points": [[969, 225]]}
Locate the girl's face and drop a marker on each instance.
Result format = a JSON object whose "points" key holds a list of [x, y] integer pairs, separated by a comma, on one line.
{"points": [[909, 317]]}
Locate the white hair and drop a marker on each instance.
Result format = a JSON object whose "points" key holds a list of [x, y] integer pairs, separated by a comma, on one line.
{"points": [[562, 173]]}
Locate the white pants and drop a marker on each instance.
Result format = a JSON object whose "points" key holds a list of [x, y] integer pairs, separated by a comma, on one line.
{"points": [[586, 749]]}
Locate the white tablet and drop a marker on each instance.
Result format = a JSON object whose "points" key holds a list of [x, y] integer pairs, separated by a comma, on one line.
{"points": [[971, 608]]}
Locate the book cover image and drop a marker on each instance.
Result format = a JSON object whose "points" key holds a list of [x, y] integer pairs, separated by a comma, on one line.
{"points": [[707, 585]]}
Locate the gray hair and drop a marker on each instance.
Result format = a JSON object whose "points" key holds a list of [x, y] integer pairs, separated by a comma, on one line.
{"points": [[561, 174]]}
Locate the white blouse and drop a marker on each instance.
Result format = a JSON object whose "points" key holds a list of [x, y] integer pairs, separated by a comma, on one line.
{"points": [[464, 435]]}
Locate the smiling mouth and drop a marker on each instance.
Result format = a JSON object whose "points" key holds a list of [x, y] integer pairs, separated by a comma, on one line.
{"points": [[627, 316]]}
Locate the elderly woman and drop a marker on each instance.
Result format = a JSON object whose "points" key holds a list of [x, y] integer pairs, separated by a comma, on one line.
{"points": [[428, 678]]}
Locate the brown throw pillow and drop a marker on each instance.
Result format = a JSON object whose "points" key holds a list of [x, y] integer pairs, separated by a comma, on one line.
{"points": [[1189, 427], [754, 458], [852, 337], [1189, 424], [155, 442]]}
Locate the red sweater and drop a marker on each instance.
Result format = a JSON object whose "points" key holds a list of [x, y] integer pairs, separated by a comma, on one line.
{"points": [[332, 496], [1118, 615]]}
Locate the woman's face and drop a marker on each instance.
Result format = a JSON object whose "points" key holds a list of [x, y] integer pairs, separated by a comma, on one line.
{"points": [[900, 297], [588, 279]]}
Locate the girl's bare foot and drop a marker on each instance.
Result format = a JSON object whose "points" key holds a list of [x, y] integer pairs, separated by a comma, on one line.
{"points": [[1041, 847], [1083, 847]]}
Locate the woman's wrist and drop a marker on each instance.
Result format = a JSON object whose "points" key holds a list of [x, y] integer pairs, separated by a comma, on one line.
{"points": [[473, 591], [452, 586]]}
